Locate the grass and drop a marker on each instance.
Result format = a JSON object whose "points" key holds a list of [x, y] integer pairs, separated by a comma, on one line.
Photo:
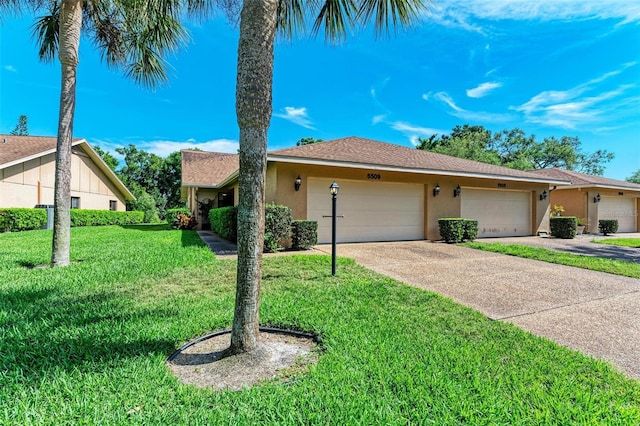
{"points": [[87, 344], [625, 242], [617, 267]]}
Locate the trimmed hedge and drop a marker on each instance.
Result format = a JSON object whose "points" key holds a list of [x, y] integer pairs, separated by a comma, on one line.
{"points": [[563, 226], [80, 217], [304, 234], [608, 226], [224, 222], [22, 219], [277, 226], [456, 229], [172, 216]]}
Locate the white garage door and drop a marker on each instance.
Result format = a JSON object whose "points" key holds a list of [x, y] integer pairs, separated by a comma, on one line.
{"points": [[372, 210], [623, 209], [499, 213]]}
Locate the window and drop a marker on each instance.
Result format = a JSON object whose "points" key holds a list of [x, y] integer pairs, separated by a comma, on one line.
{"points": [[113, 205], [75, 202]]}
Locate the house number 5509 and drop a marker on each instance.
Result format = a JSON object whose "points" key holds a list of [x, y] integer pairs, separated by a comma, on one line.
{"points": [[375, 176]]}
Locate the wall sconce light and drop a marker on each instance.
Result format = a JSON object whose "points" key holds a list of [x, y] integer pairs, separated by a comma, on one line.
{"points": [[543, 196], [436, 190], [456, 192], [298, 183], [596, 199]]}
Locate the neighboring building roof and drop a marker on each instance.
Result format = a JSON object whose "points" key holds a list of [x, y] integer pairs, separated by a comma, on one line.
{"points": [[207, 169], [582, 180], [19, 149], [366, 153]]}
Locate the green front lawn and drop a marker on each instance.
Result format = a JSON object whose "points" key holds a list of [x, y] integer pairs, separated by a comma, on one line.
{"points": [[617, 267], [625, 242], [87, 344]]}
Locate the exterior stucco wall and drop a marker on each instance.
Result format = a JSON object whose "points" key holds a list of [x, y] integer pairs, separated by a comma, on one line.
{"points": [[444, 205], [32, 182]]}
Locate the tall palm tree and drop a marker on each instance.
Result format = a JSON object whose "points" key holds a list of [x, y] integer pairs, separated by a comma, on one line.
{"points": [[131, 34], [260, 20]]}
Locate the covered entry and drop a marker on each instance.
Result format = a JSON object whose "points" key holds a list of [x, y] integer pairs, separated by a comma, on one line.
{"points": [[372, 210], [500, 213]]}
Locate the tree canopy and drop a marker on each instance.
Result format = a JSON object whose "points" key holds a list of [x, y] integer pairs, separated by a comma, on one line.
{"points": [[307, 141], [635, 177], [22, 127], [517, 150]]}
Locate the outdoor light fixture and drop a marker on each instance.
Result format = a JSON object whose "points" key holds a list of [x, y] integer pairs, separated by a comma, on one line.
{"points": [[543, 196], [436, 190], [333, 189], [456, 192], [596, 199], [298, 183]]}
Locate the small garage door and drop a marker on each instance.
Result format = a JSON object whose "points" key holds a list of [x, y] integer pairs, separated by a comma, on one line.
{"points": [[373, 211], [499, 213], [622, 209]]}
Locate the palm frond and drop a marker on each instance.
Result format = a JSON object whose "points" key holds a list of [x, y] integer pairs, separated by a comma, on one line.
{"points": [[291, 16], [388, 14], [335, 17], [45, 31]]}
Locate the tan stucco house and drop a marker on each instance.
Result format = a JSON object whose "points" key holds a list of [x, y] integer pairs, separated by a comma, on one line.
{"points": [[595, 197], [27, 175], [387, 192]]}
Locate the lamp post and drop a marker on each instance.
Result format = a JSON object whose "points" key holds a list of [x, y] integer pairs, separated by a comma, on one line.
{"points": [[333, 188]]}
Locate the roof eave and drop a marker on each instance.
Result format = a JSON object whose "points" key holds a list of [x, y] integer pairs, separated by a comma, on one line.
{"points": [[310, 161], [225, 182], [600, 186]]}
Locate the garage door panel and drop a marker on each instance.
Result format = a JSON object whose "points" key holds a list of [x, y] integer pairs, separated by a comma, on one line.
{"points": [[621, 209], [372, 211], [499, 213]]}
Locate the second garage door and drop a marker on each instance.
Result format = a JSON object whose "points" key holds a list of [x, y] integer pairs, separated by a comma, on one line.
{"points": [[499, 213], [373, 211], [622, 209]]}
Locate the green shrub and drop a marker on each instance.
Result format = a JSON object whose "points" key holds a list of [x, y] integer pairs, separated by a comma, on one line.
{"points": [[186, 222], [563, 226], [451, 229], [172, 216], [145, 203], [277, 226], [224, 222], [22, 219], [470, 228], [80, 217], [304, 234], [608, 226]]}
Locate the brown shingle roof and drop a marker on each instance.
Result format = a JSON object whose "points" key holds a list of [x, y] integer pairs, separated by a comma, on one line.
{"points": [[584, 180], [204, 169], [354, 150], [14, 149]]}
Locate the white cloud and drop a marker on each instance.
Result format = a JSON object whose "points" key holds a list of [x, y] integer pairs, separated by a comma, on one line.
{"points": [[10, 68], [163, 148], [378, 118], [584, 104], [296, 115], [414, 132], [459, 13], [483, 89], [471, 116]]}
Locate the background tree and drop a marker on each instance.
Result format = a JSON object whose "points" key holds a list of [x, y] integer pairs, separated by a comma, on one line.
{"points": [[517, 150], [22, 127], [111, 161], [131, 35], [307, 141], [259, 21], [635, 177]]}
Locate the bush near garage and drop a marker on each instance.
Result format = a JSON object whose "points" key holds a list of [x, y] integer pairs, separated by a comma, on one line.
{"points": [[457, 229], [22, 219], [304, 234], [608, 226], [104, 217], [563, 226]]}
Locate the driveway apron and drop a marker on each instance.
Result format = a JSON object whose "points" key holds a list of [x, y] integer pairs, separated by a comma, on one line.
{"points": [[593, 312]]}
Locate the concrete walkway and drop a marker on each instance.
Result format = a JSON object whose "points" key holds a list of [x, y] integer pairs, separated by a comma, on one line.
{"points": [[220, 246], [593, 312]]}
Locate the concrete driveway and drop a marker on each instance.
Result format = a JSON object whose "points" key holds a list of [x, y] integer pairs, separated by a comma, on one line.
{"points": [[593, 312]]}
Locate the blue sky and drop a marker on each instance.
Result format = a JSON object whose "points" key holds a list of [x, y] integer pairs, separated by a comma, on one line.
{"points": [[549, 67]]}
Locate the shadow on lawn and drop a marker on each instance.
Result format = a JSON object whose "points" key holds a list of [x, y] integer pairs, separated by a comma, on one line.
{"points": [[46, 329], [606, 251]]}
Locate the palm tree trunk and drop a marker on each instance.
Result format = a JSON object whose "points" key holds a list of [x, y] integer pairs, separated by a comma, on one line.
{"points": [[253, 109], [70, 25]]}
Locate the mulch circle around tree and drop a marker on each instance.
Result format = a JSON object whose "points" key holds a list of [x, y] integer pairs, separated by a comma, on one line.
{"points": [[281, 355]]}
